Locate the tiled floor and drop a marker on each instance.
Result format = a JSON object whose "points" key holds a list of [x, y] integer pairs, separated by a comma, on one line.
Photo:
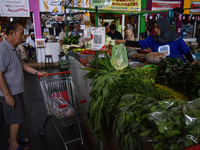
{"points": [[34, 119]]}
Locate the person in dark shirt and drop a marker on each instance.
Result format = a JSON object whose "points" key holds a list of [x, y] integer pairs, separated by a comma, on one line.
{"points": [[114, 34]]}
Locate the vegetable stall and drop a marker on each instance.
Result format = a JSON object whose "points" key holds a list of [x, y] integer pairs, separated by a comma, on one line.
{"points": [[159, 103]]}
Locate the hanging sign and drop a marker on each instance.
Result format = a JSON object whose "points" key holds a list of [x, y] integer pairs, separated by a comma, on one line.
{"points": [[119, 5], [101, 3], [14, 8], [164, 5], [195, 4], [98, 37]]}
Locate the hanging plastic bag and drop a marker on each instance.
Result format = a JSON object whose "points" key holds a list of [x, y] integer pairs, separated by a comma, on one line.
{"points": [[119, 58]]}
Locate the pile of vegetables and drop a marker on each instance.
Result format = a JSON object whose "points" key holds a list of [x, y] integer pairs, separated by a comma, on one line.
{"points": [[71, 40], [63, 63], [76, 50], [180, 76], [133, 106]]}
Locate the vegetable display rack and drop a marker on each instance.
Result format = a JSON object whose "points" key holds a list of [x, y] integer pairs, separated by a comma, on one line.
{"points": [[61, 103]]}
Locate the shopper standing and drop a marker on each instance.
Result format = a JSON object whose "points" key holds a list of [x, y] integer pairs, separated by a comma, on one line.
{"points": [[62, 35], [12, 82], [76, 30]]}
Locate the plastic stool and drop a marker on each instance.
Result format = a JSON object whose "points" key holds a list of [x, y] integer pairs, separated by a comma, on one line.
{"points": [[49, 58]]}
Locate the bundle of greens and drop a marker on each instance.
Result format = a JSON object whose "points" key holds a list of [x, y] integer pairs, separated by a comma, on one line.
{"points": [[71, 40], [179, 75], [177, 123], [63, 63], [109, 86], [129, 103]]}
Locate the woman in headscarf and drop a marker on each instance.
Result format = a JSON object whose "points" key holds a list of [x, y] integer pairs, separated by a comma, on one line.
{"points": [[129, 33], [164, 41]]}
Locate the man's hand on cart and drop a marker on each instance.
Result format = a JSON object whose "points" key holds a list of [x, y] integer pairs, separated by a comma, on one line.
{"points": [[42, 73]]}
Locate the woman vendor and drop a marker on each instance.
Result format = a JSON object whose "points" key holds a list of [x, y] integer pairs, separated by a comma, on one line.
{"points": [[164, 41]]}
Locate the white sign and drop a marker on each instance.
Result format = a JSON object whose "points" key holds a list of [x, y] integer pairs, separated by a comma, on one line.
{"points": [[164, 5], [195, 4], [98, 38], [14, 8]]}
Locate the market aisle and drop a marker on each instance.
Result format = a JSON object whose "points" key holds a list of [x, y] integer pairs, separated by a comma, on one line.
{"points": [[34, 119]]}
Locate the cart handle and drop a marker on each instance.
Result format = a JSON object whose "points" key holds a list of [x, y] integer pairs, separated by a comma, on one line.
{"points": [[51, 74]]}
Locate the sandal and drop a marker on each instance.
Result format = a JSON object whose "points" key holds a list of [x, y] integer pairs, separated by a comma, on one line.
{"points": [[22, 140], [21, 147]]}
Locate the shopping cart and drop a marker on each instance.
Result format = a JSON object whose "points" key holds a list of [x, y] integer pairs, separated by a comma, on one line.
{"points": [[61, 103]]}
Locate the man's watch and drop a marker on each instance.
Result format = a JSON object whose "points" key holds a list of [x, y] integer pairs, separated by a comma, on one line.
{"points": [[36, 73]]}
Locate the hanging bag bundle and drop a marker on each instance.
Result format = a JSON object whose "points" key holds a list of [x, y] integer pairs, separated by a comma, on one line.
{"points": [[119, 58]]}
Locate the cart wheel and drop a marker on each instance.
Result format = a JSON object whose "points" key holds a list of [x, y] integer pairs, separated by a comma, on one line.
{"points": [[41, 132]]}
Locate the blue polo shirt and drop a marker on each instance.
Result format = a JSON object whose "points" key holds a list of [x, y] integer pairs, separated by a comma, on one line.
{"points": [[172, 49], [11, 66]]}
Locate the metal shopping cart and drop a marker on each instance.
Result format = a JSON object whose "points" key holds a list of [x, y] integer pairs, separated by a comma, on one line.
{"points": [[61, 103]]}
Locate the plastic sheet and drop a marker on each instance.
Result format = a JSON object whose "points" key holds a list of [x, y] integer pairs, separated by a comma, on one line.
{"points": [[177, 121]]}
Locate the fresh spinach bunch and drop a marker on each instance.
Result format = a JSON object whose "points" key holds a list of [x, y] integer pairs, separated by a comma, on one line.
{"points": [[178, 75]]}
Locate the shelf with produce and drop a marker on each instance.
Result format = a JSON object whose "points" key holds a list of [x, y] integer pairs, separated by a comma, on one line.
{"points": [[157, 102]]}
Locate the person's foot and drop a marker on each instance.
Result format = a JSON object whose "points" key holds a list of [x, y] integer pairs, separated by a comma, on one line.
{"points": [[16, 146], [22, 140]]}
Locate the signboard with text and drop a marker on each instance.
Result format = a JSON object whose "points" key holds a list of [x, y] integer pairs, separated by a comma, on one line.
{"points": [[98, 38], [14, 8], [119, 5], [164, 5], [195, 4]]}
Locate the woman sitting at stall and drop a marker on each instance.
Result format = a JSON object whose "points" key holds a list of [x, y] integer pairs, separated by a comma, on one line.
{"points": [[164, 41], [129, 33]]}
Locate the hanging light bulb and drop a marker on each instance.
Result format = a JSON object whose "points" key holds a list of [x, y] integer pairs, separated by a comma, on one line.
{"points": [[150, 17], [183, 17], [193, 17]]}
